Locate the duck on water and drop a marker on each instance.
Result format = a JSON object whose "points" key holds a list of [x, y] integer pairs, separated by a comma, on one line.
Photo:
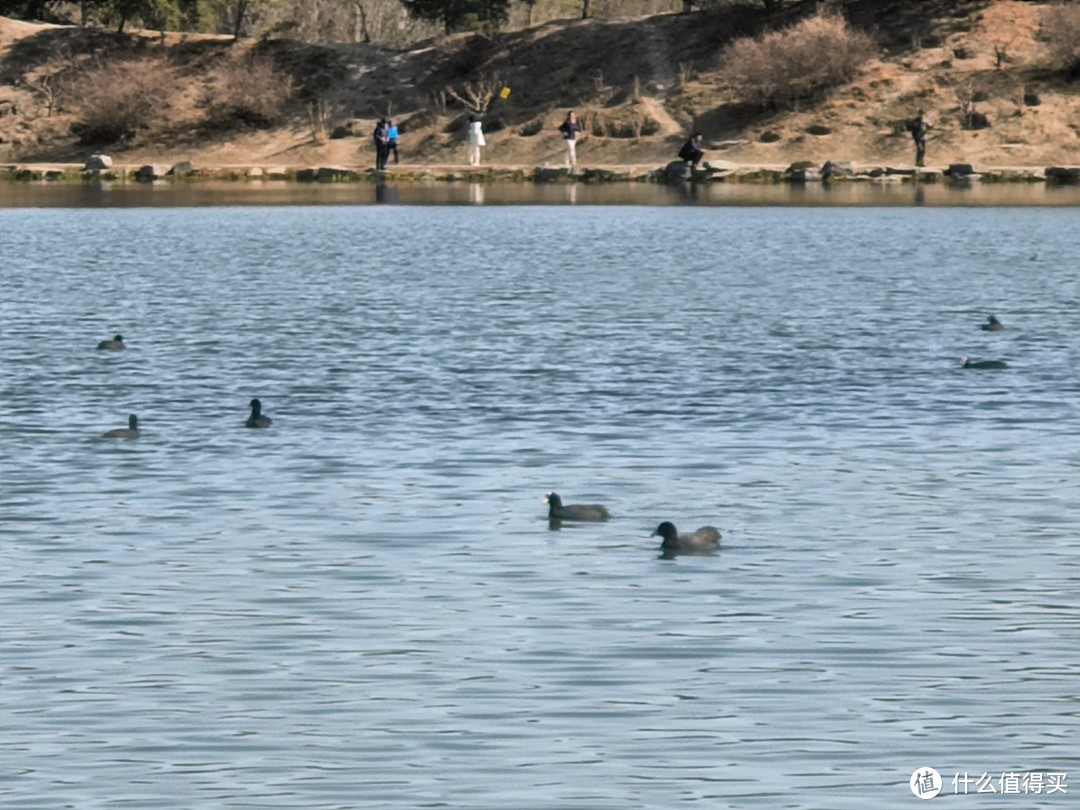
{"points": [[704, 540], [130, 432], [969, 363], [557, 510], [257, 419]]}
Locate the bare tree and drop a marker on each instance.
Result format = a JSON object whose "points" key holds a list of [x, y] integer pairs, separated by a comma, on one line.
{"points": [[477, 96], [240, 11], [360, 24], [46, 88]]}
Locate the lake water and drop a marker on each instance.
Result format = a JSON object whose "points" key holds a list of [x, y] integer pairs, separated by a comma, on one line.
{"points": [[365, 607]]}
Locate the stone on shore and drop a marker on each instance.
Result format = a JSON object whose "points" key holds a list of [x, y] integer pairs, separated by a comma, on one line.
{"points": [[182, 169], [1063, 175], [805, 176], [837, 170], [678, 170], [958, 170], [150, 173], [98, 163]]}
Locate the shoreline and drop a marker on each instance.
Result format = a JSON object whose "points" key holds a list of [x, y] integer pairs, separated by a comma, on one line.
{"points": [[675, 173]]}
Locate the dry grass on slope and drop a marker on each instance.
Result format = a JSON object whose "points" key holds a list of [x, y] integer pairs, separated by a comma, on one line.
{"points": [[638, 85]]}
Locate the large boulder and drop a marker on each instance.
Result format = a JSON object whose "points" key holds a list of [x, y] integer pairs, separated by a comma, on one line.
{"points": [[678, 170], [805, 176], [150, 173], [837, 170], [182, 169], [1063, 174], [958, 170], [98, 163], [802, 171]]}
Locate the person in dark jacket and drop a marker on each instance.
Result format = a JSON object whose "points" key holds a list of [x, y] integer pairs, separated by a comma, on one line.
{"points": [[570, 129], [693, 150], [382, 143], [919, 127]]}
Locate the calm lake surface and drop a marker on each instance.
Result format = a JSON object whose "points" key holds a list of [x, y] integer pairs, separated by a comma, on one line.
{"points": [[365, 607]]}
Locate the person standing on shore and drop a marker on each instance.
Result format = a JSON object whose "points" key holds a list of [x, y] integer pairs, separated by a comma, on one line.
{"points": [[382, 142], [570, 130], [476, 140], [391, 143], [919, 127]]}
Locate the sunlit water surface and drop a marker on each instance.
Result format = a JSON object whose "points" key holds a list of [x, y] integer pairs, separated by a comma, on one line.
{"points": [[365, 607]]}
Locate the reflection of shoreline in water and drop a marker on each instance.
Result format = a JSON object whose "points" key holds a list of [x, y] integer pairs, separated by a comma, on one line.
{"points": [[386, 194], [105, 195]]}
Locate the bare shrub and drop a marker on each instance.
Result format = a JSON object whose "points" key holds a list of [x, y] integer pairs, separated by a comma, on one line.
{"points": [[319, 113], [248, 91], [116, 98], [477, 96], [687, 74], [966, 96], [1061, 32], [781, 67], [1001, 53]]}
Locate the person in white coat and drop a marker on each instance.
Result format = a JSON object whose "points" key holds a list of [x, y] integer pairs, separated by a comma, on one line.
{"points": [[476, 140]]}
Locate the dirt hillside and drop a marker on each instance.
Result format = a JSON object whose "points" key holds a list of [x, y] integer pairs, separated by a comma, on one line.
{"points": [[639, 85]]}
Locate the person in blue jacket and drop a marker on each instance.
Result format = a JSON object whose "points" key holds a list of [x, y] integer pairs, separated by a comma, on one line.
{"points": [[391, 145]]}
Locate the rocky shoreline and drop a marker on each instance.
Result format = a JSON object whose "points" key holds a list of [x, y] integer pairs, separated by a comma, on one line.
{"points": [[101, 169]]}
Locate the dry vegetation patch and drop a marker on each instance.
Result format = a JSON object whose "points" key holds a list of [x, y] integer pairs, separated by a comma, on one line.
{"points": [[114, 99], [1061, 31], [249, 90], [782, 67]]}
